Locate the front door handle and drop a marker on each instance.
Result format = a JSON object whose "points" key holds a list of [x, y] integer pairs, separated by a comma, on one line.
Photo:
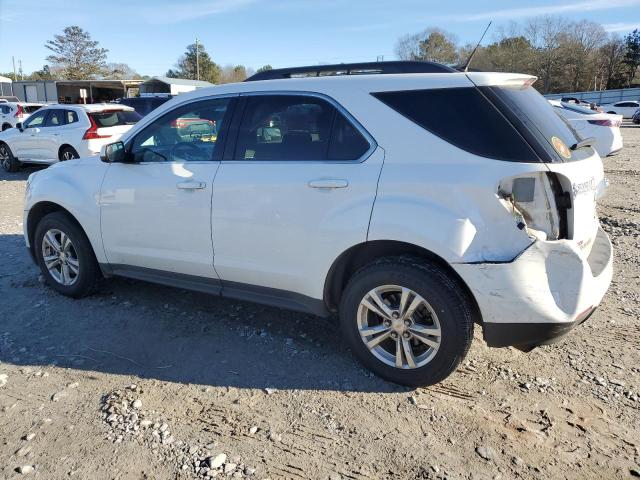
{"points": [[191, 185], [329, 183]]}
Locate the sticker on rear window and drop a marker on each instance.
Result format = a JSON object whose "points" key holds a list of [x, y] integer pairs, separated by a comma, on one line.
{"points": [[561, 147]]}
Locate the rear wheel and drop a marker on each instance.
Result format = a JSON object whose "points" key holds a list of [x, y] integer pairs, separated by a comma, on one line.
{"points": [[8, 161], [68, 153], [406, 320], [65, 256], [6, 126]]}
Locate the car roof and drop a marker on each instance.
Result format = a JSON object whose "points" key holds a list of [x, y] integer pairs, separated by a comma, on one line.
{"points": [[89, 108]]}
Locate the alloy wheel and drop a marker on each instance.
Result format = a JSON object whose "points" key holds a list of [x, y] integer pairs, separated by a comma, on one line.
{"points": [[4, 157], [60, 257], [399, 327]]}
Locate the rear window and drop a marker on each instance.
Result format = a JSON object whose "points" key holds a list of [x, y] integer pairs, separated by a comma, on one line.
{"points": [[114, 118], [538, 116], [578, 109], [30, 108], [463, 117]]}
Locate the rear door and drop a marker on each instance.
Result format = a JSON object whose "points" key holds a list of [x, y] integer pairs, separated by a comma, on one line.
{"points": [[50, 137], [295, 192]]}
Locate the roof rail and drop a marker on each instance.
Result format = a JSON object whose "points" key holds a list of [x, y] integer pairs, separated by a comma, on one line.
{"points": [[365, 68]]}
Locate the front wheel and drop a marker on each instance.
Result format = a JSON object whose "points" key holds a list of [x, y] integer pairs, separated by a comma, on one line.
{"points": [[406, 320], [65, 256], [8, 161]]}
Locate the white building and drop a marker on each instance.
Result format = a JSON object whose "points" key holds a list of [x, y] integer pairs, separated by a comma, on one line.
{"points": [[171, 86]]}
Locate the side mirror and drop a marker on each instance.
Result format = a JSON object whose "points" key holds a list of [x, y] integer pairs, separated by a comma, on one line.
{"points": [[19, 126], [113, 153]]}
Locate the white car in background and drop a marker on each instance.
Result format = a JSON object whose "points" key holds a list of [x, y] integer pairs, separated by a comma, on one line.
{"points": [[12, 113], [604, 127], [626, 108], [64, 132]]}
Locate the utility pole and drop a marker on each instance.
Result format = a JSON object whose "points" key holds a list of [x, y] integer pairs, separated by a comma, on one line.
{"points": [[20, 69], [197, 60], [15, 77]]}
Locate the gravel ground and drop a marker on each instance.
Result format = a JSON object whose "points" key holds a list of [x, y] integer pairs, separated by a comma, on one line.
{"points": [[146, 382]]}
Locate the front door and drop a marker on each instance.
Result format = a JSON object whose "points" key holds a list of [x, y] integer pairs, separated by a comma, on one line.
{"points": [[28, 145], [297, 191], [156, 209]]}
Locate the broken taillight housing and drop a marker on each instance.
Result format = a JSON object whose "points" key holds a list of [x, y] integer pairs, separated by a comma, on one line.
{"points": [[537, 203]]}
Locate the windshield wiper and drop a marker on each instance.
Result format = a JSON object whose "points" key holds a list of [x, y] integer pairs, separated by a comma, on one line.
{"points": [[587, 142]]}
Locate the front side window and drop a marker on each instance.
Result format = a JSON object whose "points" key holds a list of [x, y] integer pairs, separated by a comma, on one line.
{"points": [[188, 133], [36, 120]]}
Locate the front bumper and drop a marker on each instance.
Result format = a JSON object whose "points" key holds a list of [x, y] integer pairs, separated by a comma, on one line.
{"points": [[542, 294]]}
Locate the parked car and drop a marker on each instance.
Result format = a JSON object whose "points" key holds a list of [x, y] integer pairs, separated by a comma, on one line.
{"points": [[375, 201], [636, 117], [604, 127], [144, 105], [64, 132], [12, 113], [626, 108]]}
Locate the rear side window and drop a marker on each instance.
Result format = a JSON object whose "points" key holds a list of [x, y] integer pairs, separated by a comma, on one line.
{"points": [[114, 118], [296, 127], [464, 118], [55, 119], [71, 116]]}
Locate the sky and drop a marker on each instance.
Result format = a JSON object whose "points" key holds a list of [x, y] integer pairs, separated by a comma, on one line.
{"points": [[150, 35]]}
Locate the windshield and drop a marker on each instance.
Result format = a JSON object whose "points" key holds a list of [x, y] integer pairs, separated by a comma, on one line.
{"points": [[114, 118], [541, 119]]}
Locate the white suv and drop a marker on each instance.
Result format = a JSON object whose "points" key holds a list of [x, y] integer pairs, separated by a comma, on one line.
{"points": [[412, 205], [12, 113], [64, 132]]}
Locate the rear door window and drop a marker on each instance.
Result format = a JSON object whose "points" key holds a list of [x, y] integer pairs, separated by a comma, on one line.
{"points": [[115, 118], [71, 116], [463, 117], [296, 128], [31, 108], [55, 118]]}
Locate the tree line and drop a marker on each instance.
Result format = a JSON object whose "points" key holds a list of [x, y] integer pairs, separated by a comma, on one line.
{"points": [[76, 56], [566, 56]]}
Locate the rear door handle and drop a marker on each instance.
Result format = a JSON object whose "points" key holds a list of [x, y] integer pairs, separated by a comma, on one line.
{"points": [[191, 185], [329, 183]]}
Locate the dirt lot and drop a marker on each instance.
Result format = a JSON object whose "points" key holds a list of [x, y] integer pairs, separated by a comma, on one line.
{"points": [[279, 396]]}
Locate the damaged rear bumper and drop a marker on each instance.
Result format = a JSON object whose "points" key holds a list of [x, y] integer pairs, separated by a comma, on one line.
{"points": [[542, 294]]}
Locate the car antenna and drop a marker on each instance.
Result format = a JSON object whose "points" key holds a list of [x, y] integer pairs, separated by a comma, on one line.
{"points": [[465, 67]]}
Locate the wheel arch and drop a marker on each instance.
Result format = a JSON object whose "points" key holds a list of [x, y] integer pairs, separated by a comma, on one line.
{"points": [[38, 211], [7, 125], [351, 260]]}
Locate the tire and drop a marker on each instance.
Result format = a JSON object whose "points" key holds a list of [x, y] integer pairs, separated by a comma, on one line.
{"points": [[68, 153], [446, 309], [83, 273], [6, 126], [8, 161]]}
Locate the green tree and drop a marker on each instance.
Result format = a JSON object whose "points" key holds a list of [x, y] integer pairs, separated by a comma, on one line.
{"points": [[44, 74], [187, 65], [433, 44], [632, 55], [76, 54], [264, 68]]}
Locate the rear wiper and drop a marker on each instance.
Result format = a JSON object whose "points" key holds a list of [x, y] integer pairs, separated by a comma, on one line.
{"points": [[587, 142]]}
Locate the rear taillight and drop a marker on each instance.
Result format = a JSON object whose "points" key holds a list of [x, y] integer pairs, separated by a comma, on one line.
{"points": [[19, 112], [92, 133], [606, 123], [537, 203]]}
